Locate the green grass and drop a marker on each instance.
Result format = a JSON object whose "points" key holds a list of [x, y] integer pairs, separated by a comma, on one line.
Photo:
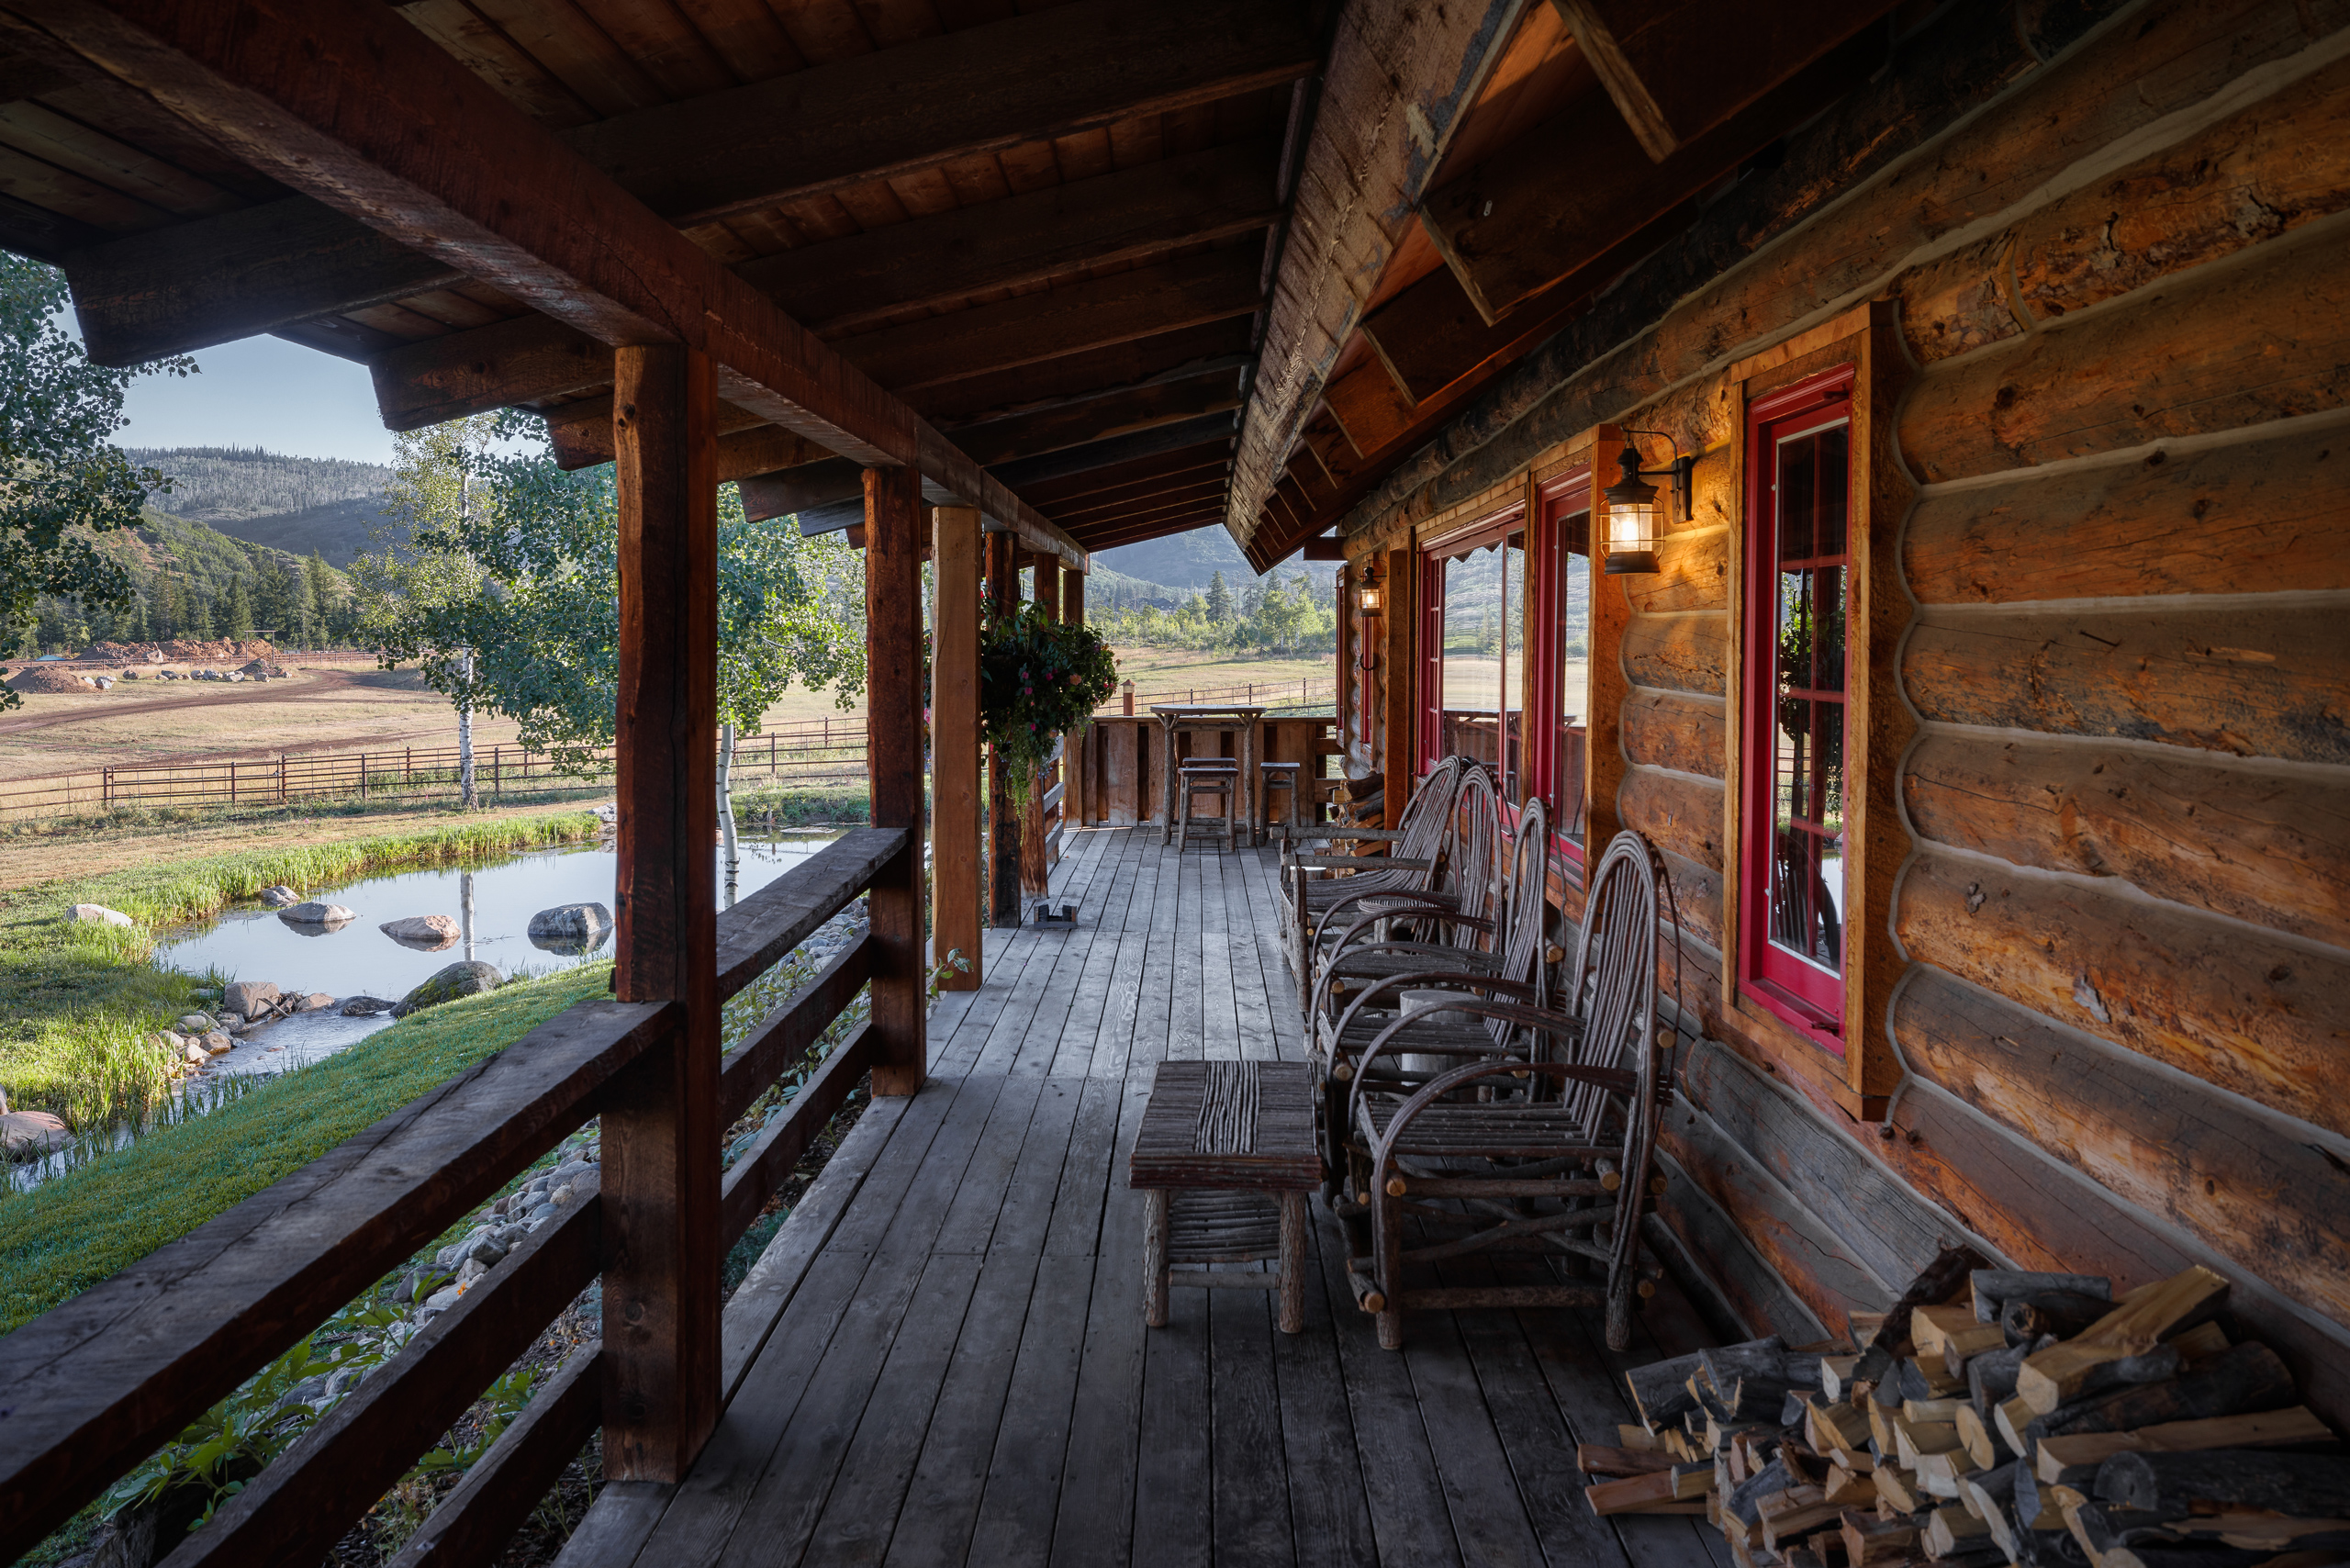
{"points": [[136, 818], [74, 999], [78, 1229]]}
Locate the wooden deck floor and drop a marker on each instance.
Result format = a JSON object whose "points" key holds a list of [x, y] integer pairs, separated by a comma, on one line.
{"points": [[942, 1359]]}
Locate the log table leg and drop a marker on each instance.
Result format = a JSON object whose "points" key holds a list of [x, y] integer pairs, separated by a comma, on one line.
{"points": [[1293, 1265], [1156, 1203]]}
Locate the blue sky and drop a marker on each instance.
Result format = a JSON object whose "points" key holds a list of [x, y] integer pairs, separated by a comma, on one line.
{"points": [[261, 392]]}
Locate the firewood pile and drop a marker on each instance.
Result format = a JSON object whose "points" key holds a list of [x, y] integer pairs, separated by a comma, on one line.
{"points": [[1994, 1417]]}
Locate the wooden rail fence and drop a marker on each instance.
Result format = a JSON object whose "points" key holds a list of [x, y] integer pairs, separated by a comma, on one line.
{"points": [[98, 1383]]}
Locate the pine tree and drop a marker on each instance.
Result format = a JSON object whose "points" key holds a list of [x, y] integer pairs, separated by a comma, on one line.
{"points": [[197, 616], [318, 595], [240, 609], [1219, 600]]}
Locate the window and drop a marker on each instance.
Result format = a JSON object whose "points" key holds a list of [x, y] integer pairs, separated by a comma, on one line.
{"points": [[1794, 893], [1564, 650], [1472, 664]]}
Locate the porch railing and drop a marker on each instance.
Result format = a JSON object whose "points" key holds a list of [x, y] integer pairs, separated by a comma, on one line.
{"points": [[100, 1383]]}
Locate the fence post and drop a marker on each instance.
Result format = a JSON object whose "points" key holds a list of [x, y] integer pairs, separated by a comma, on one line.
{"points": [[232, 783], [280, 778], [498, 774], [408, 766], [363, 776]]}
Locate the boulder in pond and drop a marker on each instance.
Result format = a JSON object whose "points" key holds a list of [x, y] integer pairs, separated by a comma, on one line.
{"points": [[470, 978], [218, 1043], [316, 1000], [365, 1006], [317, 917], [250, 999], [570, 928], [97, 914], [426, 933], [280, 897], [194, 1023], [31, 1132]]}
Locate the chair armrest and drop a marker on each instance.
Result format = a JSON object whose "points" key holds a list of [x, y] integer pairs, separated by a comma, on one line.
{"points": [[1361, 862]]}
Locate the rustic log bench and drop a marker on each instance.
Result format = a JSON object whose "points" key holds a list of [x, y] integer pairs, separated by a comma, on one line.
{"points": [[1226, 1157]]}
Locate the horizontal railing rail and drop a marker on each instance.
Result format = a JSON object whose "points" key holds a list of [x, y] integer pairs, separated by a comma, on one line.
{"points": [[106, 1379]]}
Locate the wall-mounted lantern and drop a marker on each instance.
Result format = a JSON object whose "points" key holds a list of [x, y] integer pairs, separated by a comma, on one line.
{"points": [[1634, 522], [1367, 597]]}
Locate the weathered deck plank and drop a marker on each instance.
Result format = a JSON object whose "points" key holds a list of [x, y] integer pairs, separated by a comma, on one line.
{"points": [[942, 1357]]}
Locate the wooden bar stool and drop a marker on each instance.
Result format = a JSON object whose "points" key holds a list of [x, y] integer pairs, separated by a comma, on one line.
{"points": [[1304, 805], [1218, 776]]}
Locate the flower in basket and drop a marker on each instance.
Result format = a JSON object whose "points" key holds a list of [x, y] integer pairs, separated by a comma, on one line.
{"points": [[1023, 716]]}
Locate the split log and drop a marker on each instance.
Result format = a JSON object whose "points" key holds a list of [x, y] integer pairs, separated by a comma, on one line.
{"points": [[2214, 681], [1745, 1503], [1660, 1390], [1994, 1286], [2247, 518], [2243, 347], [2258, 1017], [1940, 1280], [2132, 1330], [1941, 1475], [1982, 1443], [1594, 1459], [1951, 1530], [2059, 1312], [1952, 1335], [2280, 844], [2268, 1429], [2245, 1379], [1991, 1377], [1989, 1495], [2217, 1481], [1835, 1372], [1893, 1486], [2036, 1503], [1664, 1491], [1793, 1513], [1869, 1542]]}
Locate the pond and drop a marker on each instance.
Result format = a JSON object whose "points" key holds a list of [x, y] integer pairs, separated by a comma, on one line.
{"points": [[493, 903]]}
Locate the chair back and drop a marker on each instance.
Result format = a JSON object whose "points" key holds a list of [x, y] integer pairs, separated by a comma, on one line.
{"points": [[1522, 911], [1428, 813], [1472, 853], [1612, 988]]}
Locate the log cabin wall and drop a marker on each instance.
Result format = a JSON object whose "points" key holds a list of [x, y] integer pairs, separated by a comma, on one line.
{"points": [[2109, 534]]}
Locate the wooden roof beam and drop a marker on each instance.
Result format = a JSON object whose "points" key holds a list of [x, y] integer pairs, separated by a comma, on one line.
{"points": [[1511, 228], [326, 95], [270, 268], [1217, 454], [534, 357], [1677, 69], [1134, 533], [1186, 492]]}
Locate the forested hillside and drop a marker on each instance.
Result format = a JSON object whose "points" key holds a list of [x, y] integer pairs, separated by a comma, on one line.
{"points": [[194, 581], [330, 505]]}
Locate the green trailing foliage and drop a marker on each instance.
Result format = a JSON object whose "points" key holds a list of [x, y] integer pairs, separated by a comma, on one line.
{"points": [[1039, 678]]}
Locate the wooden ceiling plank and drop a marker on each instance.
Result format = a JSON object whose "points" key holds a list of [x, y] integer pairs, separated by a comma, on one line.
{"points": [[41, 132], [1511, 228], [1180, 493], [486, 49], [746, 35], [1677, 69], [577, 52], [326, 94], [1103, 480], [1076, 67], [1085, 375], [1369, 405], [38, 183], [1156, 528]]}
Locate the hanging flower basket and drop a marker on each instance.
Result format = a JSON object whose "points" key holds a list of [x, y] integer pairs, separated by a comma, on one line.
{"points": [[1039, 680]]}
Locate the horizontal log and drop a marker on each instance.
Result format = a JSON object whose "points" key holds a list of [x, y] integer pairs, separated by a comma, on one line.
{"points": [[1957, 303], [756, 933], [2268, 684], [437, 379], [1727, 1264], [2251, 516], [2260, 1018], [476, 1520], [1693, 570], [1888, 1229], [2279, 165], [104, 1379], [778, 1041], [2270, 848], [304, 1500], [1696, 898], [1813, 1260], [1680, 814], [758, 1173], [2176, 1485], [2218, 350], [1670, 729], [1678, 653], [2270, 1205]]}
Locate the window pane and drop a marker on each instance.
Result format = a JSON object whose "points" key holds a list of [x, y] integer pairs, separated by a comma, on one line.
{"points": [[1575, 670], [1473, 655], [1808, 765], [1513, 690]]}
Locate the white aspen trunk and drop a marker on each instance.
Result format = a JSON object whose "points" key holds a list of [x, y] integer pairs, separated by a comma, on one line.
{"points": [[466, 738], [466, 909], [726, 808]]}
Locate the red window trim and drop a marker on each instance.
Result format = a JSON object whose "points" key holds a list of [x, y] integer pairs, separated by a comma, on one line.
{"points": [[1491, 529], [1558, 497], [1814, 1009]]}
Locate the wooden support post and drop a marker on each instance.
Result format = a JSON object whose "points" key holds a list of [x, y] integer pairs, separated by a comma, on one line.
{"points": [[1400, 710], [1076, 805], [955, 741], [893, 761], [1611, 613], [661, 1242], [1036, 863], [1003, 826]]}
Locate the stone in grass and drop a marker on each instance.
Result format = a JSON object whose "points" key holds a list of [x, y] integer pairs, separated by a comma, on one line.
{"points": [[196, 1052], [470, 978], [427, 933], [570, 928], [280, 897], [194, 1023], [31, 1132], [366, 1006], [250, 999], [317, 917], [98, 914]]}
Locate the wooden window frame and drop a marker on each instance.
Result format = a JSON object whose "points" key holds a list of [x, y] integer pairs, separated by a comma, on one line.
{"points": [[1553, 501], [1803, 995], [1433, 553], [1879, 727]]}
